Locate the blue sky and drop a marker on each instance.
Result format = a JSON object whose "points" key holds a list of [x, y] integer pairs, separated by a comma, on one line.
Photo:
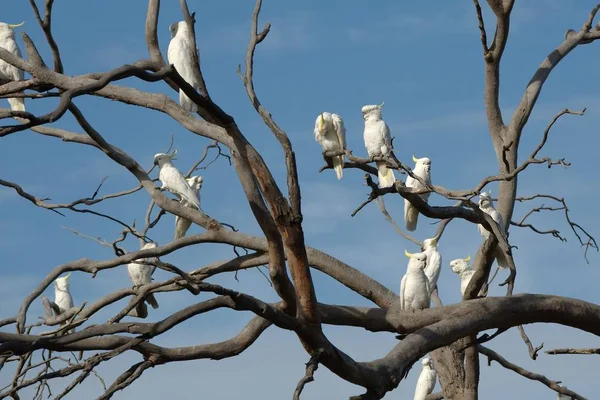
{"points": [[424, 61]]}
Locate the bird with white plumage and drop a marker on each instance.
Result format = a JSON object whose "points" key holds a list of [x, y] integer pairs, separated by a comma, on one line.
{"points": [[426, 381], [183, 224], [141, 274], [62, 297], [434, 262], [414, 287], [180, 54], [422, 170], [461, 267], [7, 71], [173, 181], [487, 206], [378, 142], [330, 133]]}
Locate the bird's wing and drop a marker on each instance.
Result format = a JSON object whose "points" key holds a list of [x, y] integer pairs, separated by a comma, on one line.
{"points": [[402, 287], [180, 54], [13, 73], [340, 129], [384, 131], [177, 182]]}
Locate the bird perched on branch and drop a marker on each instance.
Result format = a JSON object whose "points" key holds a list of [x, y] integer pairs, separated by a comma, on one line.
{"points": [[181, 55], [62, 297], [182, 224], [414, 287], [422, 170], [560, 396], [173, 181], [426, 381], [141, 274], [330, 133], [487, 206], [434, 262], [461, 267], [7, 71], [378, 142]]}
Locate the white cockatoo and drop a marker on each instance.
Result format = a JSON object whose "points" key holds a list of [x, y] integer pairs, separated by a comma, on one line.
{"points": [[487, 206], [182, 224], [378, 142], [181, 54], [141, 274], [173, 181], [7, 71], [422, 170], [414, 287], [560, 396], [461, 267], [62, 296], [330, 133], [434, 262], [426, 381]]}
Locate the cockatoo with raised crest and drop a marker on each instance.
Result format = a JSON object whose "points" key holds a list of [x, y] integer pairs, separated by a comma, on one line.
{"points": [[461, 267], [422, 170], [182, 224], [426, 381], [378, 142], [141, 274], [434, 262], [7, 71], [181, 55], [487, 206], [330, 133], [414, 287], [173, 181]]}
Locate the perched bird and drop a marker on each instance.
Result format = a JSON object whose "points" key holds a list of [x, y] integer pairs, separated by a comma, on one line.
{"points": [[465, 272], [378, 142], [560, 396], [141, 274], [7, 71], [182, 224], [414, 287], [422, 170], [426, 381], [434, 262], [486, 205], [181, 54], [173, 181], [62, 296], [330, 133]]}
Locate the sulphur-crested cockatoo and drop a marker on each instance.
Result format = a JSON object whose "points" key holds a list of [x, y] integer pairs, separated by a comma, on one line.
{"points": [[560, 396], [173, 181], [180, 54], [141, 274], [182, 224], [434, 262], [378, 142], [426, 381], [330, 133], [414, 287], [461, 267], [62, 296], [7, 71], [486, 205], [422, 170]]}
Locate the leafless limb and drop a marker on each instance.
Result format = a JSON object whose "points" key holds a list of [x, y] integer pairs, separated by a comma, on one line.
{"points": [[533, 351], [481, 29], [388, 217], [573, 351], [554, 385], [311, 367]]}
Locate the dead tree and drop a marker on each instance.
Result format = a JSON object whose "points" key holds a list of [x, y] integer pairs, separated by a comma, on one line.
{"points": [[449, 332]]}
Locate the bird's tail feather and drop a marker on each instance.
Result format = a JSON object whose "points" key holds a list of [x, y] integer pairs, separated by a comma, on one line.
{"points": [[411, 216], [501, 258], [186, 102], [17, 104], [150, 299], [385, 175], [181, 227], [338, 166]]}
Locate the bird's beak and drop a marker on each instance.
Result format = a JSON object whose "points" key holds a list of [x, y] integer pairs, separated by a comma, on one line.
{"points": [[12, 26], [467, 259], [407, 254], [415, 159], [156, 161]]}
